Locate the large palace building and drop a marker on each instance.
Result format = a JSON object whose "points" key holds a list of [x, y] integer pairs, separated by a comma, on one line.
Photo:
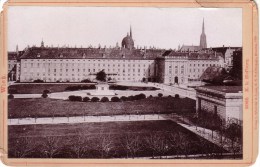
{"points": [[125, 63]]}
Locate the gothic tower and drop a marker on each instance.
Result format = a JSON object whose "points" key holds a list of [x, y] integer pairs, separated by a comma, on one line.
{"points": [[42, 44], [203, 40]]}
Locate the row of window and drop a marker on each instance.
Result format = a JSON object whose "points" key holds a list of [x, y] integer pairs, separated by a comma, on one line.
{"points": [[84, 65]]}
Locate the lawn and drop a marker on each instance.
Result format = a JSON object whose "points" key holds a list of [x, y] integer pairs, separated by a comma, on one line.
{"points": [[19, 108], [105, 140], [38, 88], [33, 88]]}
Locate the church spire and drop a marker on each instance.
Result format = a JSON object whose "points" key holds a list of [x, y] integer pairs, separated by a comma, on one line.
{"points": [[130, 31], [203, 40], [203, 29], [42, 44]]}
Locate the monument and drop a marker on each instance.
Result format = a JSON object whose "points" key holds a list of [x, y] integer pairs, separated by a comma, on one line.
{"points": [[102, 87]]}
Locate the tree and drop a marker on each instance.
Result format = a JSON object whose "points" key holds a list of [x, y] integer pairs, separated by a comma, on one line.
{"points": [[104, 145], [44, 95], [123, 98], [79, 145], [160, 95], [51, 146], [95, 99], [234, 133], [86, 99], [104, 99], [23, 147], [132, 144], [101, 76], [115, 99], [11, 96], [46, 91], [157, 144]]}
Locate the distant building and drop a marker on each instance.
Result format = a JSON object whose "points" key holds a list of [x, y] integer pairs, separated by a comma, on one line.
{"points": [[226, 101], [237, 64], [181, 68], [192, 48], [228, 55], [13, 60]]}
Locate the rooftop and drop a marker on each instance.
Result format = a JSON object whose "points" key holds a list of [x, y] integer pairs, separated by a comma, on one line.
{"points": [[223, 89]]}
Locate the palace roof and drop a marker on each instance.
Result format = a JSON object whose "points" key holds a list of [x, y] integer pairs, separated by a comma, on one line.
{"points": [[192, 55], [91, 53]]}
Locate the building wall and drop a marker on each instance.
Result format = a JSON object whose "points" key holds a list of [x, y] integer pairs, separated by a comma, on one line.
{"points": [[212, 106], [227, 105], [197, 67], [176, 69], [75, 70], [229, 58]]}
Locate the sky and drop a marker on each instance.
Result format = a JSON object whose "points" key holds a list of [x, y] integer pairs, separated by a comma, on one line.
{"points": [[159, 27]]}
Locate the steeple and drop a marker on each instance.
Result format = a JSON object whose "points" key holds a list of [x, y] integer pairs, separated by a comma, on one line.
{"points": [[130, 31], [203, 40], [17, 50], [42, 44], [203, 29]]}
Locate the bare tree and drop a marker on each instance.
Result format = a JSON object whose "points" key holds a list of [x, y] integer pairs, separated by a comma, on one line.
{"points": [[132, 144], [180, 143], [51, 146], [104, 145], [79, 145], [158, 144], [23, 147]]}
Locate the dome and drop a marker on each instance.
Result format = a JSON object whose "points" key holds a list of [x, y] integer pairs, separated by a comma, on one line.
{"points": [[128, 42]]}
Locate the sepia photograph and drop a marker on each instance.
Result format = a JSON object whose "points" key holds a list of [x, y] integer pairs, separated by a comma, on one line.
{"points": [[124, 83]]}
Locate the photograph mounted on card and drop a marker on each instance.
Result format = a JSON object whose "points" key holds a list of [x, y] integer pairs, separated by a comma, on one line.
{"points": [[129, 83]]}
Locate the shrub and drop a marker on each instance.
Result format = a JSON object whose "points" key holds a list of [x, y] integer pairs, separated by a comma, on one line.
{"points": [[131, 98], [58, 81], [151, 96], [86, 99], [12, 91], [85, 81], [44, 95], [142, 96], [139, 97], [104, 99], [123, 98], [75, 98], [95, 99], [169, 96], [118, 87], [38, 81], [79, 87], [177, 96], [11, 96], [46, 91], [115, 99], [160, 95]]}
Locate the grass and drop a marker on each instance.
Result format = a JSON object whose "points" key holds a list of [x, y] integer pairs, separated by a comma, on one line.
{"points": [[38, 88], [33, 88], [67, 134], [19, 108]]}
